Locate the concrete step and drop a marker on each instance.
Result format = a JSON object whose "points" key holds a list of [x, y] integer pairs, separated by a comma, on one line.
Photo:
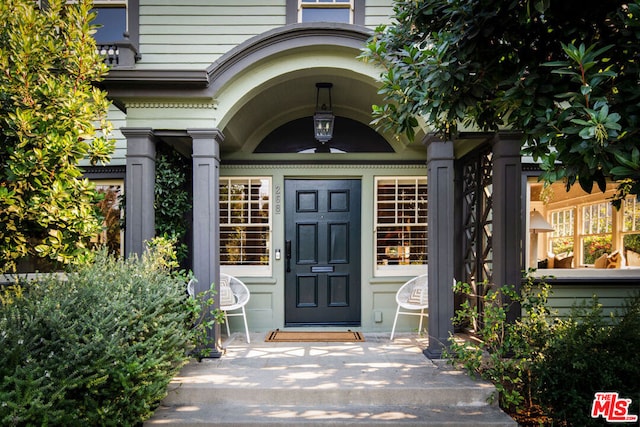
{"points": [[295, 415], [373, 383], [427, 394]]}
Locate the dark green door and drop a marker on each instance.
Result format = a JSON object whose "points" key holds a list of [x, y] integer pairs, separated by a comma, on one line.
{"points": [[322, 253]]}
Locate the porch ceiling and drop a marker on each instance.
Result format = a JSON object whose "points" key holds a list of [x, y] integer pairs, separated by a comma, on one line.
{"points": [[295, 97]]}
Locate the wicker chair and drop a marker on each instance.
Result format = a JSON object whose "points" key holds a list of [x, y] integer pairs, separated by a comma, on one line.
{"points": [[412, 296], [234, 295]]}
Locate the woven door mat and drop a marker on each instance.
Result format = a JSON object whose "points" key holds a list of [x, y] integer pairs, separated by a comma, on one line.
{"points": [[313, 336]]}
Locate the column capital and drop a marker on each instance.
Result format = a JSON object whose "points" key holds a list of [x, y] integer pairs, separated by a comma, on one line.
{"points": [[438, 149], [507, 144], [137, 132], [204, 133]]}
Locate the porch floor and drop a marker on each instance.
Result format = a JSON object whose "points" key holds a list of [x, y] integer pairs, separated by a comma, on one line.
{"points": [[375, 382]]}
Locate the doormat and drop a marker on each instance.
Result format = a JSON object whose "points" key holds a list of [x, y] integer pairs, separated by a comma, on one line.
{"points": [[315, 336]]}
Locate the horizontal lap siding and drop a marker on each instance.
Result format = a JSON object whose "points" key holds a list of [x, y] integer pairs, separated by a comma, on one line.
{"points": [[192, 34], [378, 12], [611, 296]]}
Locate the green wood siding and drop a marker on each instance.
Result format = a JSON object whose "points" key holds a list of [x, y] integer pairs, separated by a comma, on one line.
{"points": [[118, 119], [192, 34], [612, 296], [377, 12]]}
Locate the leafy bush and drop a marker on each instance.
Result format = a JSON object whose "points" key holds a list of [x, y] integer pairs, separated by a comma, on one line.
{"points": [[547, 370], [96, 349], [506, 351], [588, 353]]}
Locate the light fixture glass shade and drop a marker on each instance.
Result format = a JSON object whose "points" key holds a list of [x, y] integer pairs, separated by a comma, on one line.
{"points": [[323, 126], [537, 223]]}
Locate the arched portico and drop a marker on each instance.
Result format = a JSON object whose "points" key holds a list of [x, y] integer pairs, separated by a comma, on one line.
{"points": [[260, 87]]}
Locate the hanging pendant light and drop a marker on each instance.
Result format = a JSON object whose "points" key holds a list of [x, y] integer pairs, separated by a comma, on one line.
{"points": [[323, 117]]}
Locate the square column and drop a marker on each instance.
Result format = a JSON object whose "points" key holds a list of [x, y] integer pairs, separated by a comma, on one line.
{"points": [[507, 214], [440, 220], [139, 189], [206, 217]]}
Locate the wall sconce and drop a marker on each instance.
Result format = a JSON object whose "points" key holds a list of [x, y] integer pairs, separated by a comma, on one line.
{"points": [[537, 224], [323, 117]]}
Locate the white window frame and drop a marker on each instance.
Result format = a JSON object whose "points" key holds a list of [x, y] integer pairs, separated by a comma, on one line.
{"points": [[563, 222], [630, 203], [326, 4], [595, 226], [250, 270], [400, 269]]}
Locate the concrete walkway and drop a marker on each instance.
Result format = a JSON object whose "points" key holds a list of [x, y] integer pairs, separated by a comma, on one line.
{"points": [[376, 382]]}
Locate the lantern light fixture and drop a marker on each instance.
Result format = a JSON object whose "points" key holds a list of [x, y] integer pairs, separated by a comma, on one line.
{"points": [[323, 117]]}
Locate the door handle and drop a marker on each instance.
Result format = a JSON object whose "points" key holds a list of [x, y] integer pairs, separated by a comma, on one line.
{"points": [[287, 255]]}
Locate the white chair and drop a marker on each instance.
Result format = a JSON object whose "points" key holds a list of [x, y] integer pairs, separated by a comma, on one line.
{"points": [[191, 287], [234, 295], [413, 296]]}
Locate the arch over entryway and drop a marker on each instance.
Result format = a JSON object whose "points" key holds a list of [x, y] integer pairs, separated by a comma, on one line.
{"points": [[269, 81]]}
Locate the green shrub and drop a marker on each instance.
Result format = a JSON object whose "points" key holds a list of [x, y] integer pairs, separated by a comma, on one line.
{"points": [[506, 351], [97, 349], [588, 353], [547, 370]]}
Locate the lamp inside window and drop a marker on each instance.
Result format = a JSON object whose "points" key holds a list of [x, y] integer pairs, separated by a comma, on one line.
{"points": [[323, 118]]}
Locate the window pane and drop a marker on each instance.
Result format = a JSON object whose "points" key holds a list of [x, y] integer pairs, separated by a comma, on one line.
{"points": [[112, 21], [593, 247], [631, 215], [326, 15], [596, 218]]}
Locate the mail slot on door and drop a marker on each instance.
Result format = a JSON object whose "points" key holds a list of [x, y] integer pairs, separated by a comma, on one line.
{"points": [[322, 269]]}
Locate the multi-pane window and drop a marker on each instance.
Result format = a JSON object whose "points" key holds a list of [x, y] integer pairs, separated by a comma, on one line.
{"points": [[596, 231], [401, 224], [631, 230], [561, 240], [245, 222], [325, 11]]}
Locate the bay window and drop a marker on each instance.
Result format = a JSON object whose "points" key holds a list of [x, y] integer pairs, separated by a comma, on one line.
{"points": [[587, 230]]}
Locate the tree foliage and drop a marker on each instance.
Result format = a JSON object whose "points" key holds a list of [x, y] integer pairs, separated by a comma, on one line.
{"points": [[51, 117], [565, 74]]}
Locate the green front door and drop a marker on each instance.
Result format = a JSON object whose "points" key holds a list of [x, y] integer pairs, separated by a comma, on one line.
{"points": [[322, 253]]}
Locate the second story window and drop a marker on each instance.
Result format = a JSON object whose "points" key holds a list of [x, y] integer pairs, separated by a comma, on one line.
{"points": [[325, 11], [111, 16]]}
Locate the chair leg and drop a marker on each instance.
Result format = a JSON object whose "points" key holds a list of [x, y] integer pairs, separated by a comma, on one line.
{"points": [[420, 325], [394, 323], [246, 327], [226, 322]]}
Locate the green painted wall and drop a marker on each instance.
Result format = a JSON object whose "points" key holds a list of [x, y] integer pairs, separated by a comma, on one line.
{"points": [[192, 34], [612, 296]]}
